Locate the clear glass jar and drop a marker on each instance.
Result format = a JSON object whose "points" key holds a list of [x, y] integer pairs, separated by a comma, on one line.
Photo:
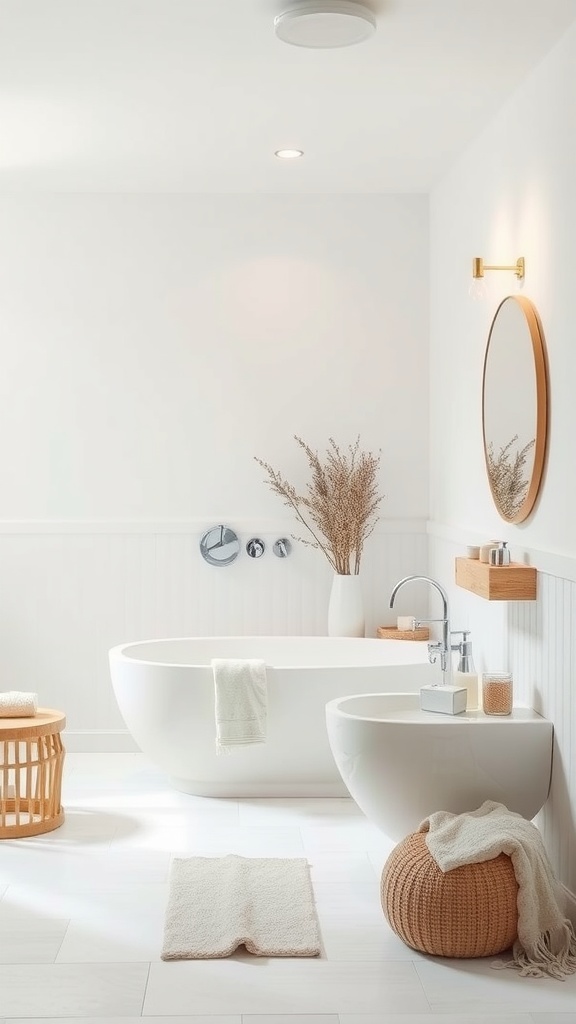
{"points": [[497, 693]]}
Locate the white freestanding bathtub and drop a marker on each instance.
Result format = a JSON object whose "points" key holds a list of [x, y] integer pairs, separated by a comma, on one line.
{"points": [[165, 692]]}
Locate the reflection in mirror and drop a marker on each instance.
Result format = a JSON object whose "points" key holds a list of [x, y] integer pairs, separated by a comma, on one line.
{"points": [[219, 546], [514, 407]]}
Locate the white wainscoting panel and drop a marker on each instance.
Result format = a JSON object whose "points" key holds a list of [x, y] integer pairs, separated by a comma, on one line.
{"points": [[542, 646], [70, 591]]}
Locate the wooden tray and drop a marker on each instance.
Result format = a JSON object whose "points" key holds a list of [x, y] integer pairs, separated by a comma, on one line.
{"points": [[393, 633]]}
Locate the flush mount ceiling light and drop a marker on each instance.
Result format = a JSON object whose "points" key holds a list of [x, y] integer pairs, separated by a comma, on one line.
{"points": [[322, 24], [288, 154]]}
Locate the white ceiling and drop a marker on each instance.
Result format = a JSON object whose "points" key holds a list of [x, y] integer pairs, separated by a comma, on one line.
{"points": [[195, 95]]}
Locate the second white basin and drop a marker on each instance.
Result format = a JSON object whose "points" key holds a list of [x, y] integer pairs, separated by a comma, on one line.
{"points": [[401, 764]]}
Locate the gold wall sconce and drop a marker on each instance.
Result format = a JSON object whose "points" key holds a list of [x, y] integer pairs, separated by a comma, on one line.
{"points": [[478, 267]]}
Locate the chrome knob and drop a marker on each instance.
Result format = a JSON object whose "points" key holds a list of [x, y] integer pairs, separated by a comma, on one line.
{"points": [[255, 547], [282, 547]]}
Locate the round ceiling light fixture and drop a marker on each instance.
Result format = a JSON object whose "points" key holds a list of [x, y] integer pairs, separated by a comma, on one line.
{"points": [[323, 24]]}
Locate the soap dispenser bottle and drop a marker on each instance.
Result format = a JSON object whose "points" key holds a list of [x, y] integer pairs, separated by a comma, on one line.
{"points": [[466, 674]]}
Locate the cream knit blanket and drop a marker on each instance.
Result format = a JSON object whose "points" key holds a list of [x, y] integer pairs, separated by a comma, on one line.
{"points": [[546, 943]]}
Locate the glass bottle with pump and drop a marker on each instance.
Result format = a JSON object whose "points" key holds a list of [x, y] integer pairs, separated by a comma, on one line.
{"points": [[465, 674]]}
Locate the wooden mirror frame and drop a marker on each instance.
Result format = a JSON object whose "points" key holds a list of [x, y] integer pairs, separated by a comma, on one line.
{"points": [[541, 372]]}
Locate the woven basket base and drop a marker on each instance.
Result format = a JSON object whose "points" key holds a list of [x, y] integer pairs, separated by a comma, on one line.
{"points": [[468, 912]]}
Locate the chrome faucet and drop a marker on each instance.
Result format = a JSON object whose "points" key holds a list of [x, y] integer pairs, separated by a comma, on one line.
{"points": [[443, 647]]}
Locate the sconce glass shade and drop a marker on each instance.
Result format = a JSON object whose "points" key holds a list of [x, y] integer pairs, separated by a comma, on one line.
{"points": [[324, 24], [477, 289]]}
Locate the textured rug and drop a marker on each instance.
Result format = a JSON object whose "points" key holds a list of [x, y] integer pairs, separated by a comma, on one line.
{"points": [[216, 904]]}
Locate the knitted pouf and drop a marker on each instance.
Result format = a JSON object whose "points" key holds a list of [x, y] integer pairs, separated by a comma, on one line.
{"points": [[467, 912]]}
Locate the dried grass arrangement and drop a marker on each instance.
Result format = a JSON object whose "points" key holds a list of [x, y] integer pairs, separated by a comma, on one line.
{"points": [[340, 507], [506, 471]]}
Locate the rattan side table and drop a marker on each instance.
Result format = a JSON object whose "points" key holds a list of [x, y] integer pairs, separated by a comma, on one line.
{"points": [[31, 762]]}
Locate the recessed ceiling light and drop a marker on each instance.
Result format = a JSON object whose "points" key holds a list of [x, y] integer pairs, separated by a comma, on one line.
{"points": [[323, 24], [288, 154]]}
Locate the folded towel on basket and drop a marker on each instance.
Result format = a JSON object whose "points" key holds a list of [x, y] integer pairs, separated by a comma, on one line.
{"points": [[18, 704], [240, 692], [546, 943]]}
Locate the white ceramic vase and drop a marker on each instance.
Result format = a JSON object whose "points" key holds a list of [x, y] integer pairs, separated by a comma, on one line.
{"points": [[346, 607]]}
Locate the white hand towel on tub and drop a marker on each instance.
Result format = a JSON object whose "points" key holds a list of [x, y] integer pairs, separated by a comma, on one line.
{"points": [[240, 692], [18, 704]]}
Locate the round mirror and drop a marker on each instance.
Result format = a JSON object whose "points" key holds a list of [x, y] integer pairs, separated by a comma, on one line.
{"points": [[219, 546], [515, 407]]}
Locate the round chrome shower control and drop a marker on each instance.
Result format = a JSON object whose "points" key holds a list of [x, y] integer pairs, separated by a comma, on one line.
{"points": [[255, 547]]}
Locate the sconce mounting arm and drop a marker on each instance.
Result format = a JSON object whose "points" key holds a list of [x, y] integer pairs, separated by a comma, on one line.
{"points": [[478, 267]]}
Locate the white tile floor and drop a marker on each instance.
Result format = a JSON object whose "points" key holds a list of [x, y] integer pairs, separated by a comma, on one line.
{"points": [[82, 909]]}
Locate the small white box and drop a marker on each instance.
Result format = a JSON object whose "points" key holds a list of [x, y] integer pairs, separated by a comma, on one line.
{"points": [[448, 700], [405, 622]]}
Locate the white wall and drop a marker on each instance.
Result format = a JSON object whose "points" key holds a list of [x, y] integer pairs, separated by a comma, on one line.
{"points": [[151, 347], [512, 194]]}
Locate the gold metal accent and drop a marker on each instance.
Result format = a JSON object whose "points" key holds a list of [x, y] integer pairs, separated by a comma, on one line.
{"points": [[478, 267]]}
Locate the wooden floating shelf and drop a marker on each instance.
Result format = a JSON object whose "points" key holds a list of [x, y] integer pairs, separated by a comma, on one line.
{"points": [[514, 582], [392, 633]]}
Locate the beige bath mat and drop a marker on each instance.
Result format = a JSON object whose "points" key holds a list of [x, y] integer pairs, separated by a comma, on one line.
{"points": [[216, 904]]}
